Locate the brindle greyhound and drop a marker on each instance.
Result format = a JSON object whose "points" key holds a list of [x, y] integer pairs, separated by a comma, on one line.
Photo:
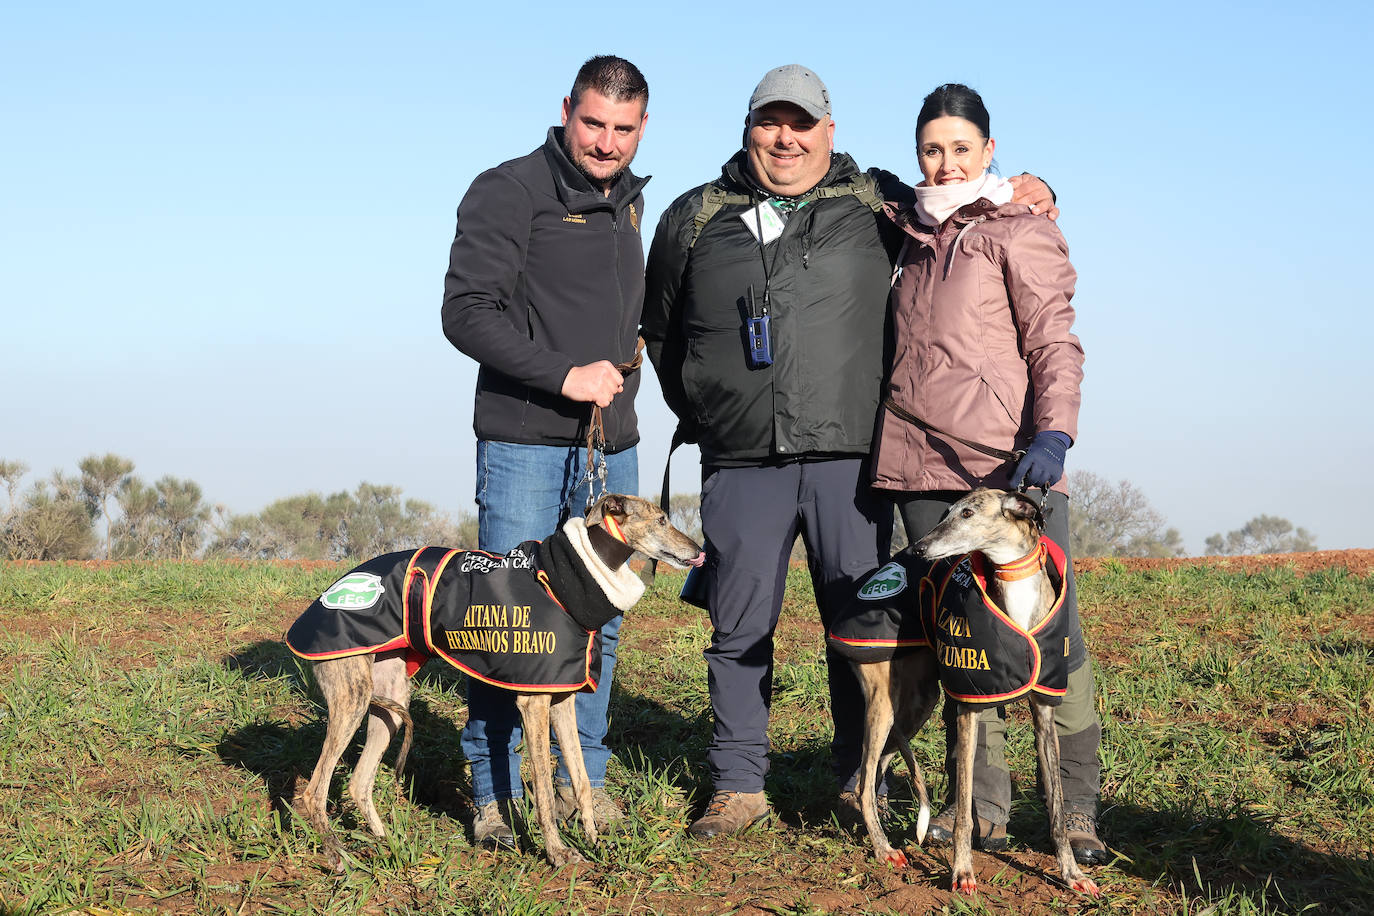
{"points": [[901, 693], [356, 685]]}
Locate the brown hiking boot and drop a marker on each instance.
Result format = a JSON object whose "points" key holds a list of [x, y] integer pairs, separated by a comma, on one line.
{"points": [[605, 808], [849, 813], [729, 812], [490, 829], [987, 836], [1087, 848]]}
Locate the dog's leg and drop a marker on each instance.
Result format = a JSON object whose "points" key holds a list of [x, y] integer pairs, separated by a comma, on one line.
{"points": [[346, 684], [964, 879], [918, 692], [1047, 748], [534, 713], [563, 714], [876, 680], [389, 682]]}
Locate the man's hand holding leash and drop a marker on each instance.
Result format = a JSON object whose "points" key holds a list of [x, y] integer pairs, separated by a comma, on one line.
{"points": [[597, 382]]}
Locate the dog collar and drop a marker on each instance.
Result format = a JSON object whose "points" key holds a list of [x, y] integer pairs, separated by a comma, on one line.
{"points": [[613, 529], [1023, 568]]}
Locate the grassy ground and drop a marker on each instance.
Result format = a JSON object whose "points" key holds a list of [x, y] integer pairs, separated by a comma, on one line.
{"points": [[153, 730]]}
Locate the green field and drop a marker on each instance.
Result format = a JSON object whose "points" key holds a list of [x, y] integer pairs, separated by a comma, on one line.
{"points": [[153, 729]]}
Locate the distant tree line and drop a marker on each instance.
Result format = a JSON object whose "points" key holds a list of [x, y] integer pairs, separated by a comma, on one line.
{"points": [[59, 518], [1106, 519]]}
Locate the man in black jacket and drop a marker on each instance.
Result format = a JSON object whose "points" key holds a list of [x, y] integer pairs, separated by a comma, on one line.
{"points": [[764, 316], [544, 289]]}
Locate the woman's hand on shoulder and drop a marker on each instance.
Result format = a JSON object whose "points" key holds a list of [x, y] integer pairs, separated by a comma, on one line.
{"points": [[1033, 191]]}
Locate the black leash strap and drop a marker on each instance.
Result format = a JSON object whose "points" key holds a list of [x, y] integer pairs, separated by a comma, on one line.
{"points": [[916, 421], [664, 497]]}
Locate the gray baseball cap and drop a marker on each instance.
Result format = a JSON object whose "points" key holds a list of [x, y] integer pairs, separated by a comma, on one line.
{"points": [[796, 84]]}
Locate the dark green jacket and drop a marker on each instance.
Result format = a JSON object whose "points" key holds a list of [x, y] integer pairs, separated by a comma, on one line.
{"points": [[829, 279]]}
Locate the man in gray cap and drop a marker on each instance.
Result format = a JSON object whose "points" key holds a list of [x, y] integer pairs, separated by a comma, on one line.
{"points": [[764, 312]]}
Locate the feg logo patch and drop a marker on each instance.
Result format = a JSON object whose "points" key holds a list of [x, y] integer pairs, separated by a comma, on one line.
{"points": [[354, 591], [884, 583]]}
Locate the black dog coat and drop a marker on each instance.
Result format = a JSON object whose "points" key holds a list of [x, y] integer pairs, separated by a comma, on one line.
{"points": [[984, 658], [527, 621]]}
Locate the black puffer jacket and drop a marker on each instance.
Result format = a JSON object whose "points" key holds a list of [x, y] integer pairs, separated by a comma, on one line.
{"points": [[828, 283], [546, 273]]}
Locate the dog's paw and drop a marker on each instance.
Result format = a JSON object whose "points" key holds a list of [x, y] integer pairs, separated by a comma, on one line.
{"points": [[565, 855], [965, 883], [894, 857], [1085, 886]]}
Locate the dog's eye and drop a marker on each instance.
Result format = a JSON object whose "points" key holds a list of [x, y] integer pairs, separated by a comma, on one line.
{"points": [[967, 513], [662, 521]]}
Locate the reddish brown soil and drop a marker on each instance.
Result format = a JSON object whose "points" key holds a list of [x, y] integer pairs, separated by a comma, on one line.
{"points": [[1359, 562]]}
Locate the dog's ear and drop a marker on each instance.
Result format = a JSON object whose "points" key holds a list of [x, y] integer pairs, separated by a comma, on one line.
{"points": [[1019, 505], [610, 504]]}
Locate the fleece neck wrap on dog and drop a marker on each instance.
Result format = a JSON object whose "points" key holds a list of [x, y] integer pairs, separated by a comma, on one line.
{"points": [[592, 592], [506, 620], [984, 658]]}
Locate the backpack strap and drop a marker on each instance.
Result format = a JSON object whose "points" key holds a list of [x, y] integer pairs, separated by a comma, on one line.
{"points": [[861, 186], [712, 199]]}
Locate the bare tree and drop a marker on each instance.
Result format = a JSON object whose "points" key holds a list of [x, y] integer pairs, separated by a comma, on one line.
{"points": [[1263, 534], [1109, 519], [101, 476]]}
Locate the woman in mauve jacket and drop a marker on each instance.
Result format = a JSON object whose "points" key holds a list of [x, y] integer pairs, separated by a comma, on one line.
{"points": [[985, 352]]}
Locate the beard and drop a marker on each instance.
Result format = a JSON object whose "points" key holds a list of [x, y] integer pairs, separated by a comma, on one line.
{"points": [[596, 181]]}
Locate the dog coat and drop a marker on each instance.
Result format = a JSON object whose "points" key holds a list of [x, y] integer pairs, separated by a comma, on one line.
{"points": [[527, 621], [984, 658]]}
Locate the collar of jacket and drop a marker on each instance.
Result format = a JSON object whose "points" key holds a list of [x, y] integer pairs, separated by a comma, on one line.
{"points": [[576, 192], [905, 217], [590, 592], [736, 176]]}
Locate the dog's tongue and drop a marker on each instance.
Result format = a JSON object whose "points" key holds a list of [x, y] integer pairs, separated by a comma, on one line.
{"points": [[699, 561]]}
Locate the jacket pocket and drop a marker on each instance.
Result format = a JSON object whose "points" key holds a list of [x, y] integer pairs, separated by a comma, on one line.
{"points": [[1002, 420], [691, 385]]}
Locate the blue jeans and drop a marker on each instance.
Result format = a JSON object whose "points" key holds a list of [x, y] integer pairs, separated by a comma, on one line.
{"points": [[521, 493]]}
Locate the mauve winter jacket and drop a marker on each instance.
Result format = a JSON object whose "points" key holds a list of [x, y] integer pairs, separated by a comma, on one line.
{"points": [[984, 346]]}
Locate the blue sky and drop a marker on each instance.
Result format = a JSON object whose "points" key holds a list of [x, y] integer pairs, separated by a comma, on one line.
{"points": [[224, 228]]}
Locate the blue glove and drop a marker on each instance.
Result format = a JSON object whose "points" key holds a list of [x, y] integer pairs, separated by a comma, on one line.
{"points": [[1043, 463]]}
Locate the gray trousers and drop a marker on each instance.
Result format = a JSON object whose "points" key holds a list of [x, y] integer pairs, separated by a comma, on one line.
{"points": [[750, 517], [1075, 718]]}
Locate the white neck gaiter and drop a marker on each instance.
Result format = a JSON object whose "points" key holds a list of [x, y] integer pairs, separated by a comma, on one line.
{"points": [[937, 203]]}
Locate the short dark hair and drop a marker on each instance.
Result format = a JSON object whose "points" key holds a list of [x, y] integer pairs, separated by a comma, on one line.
{"points": [[954, 100], [614, 77]]}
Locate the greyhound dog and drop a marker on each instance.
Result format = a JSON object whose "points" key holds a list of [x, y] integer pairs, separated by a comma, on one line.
{"points": [[375, 677], [901, 691]]}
